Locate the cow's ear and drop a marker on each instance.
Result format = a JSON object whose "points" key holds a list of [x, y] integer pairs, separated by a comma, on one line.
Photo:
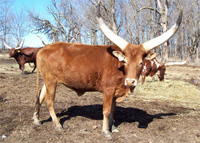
{"points": [[121, 57], [150, 55]]}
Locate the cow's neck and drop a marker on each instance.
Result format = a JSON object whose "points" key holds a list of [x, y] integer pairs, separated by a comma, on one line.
{"points": [[123, 97]]}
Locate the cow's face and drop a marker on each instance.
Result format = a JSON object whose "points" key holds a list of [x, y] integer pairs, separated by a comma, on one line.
{"points": [[162, 72], [13, 52], [132, 57]]}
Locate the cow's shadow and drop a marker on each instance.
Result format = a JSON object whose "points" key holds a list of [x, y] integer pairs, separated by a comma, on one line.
{"points": [[121, 115]]}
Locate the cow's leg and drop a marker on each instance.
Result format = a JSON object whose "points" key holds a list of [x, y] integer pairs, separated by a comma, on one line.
{"points": [[21, 67], [143, 78], [111, 118], [29, 65], [108, 94], [39, 102], [34, 67], [49, 98], [153, 78]]}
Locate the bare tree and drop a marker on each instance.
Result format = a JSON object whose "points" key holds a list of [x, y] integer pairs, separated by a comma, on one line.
{"points": [[187, 38], [19, 25], [64, 26], [134, 20], [41, 25], [5, 19], [194, 30], [163, 10]]}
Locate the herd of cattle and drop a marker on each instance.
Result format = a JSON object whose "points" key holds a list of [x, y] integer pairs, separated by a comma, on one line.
{"points": [[28, 55], [113, 70]]}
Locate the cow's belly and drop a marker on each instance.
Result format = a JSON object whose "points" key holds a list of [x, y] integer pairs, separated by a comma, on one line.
{"points": [[82, 81]]}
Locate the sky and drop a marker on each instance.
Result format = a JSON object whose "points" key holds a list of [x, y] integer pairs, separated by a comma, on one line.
{"points": [[38, 6]]}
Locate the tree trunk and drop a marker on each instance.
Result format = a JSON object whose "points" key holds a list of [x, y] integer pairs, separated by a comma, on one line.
{"points": [[164, 22], [197, 55], [114, 26]]}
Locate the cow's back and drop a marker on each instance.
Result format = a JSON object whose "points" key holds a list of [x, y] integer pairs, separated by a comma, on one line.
{"points": [[29, 54]]}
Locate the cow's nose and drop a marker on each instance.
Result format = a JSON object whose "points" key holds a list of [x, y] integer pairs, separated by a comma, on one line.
{"points": [[130, 82]]}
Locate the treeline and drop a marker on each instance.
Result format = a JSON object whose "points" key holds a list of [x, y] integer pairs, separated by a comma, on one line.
{"points": [[135, 20]]}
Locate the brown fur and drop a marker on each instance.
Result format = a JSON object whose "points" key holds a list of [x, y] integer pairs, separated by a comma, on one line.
{"points": [[151, 69]]}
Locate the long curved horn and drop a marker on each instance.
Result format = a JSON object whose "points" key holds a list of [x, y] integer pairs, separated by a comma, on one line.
{"points": [[151, 44], [7, 46], [52, 41], [176, 63], [120, 42], [42, 40], [18, 43], [19, 47]]}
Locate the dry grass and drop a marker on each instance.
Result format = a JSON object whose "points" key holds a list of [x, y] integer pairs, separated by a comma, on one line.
{"points": [[174, 91]]}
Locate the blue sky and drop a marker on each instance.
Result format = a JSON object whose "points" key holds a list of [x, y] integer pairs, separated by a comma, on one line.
{"points": [[38, 6]]}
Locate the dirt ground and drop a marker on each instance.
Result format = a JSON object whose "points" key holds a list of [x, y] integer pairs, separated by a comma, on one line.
{"points": [[143, 117]]}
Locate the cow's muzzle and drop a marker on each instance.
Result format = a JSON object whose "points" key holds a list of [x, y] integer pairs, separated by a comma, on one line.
{"points": [[131, 82]]}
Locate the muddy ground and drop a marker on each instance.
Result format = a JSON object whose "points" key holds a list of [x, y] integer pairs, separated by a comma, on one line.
{"points": [[140, 118]]}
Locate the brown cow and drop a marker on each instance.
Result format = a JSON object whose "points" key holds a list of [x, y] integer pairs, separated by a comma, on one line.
{"points": [[25, 55], [152, 66], [113, 70]]}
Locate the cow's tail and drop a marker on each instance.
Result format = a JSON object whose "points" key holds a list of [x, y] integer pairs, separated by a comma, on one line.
{"points": [[37, 84], [37, 102]]}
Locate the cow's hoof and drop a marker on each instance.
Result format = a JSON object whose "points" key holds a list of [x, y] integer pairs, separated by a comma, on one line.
{"points": [[114, 129], [107, 134], [60, 129], [36, 122]]}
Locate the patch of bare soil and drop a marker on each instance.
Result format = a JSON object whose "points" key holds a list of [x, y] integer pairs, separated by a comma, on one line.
{"points": [[143, 117]]}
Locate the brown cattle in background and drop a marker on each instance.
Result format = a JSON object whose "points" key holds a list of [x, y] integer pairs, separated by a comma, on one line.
{"points": [[23, 55], [152, 66]]}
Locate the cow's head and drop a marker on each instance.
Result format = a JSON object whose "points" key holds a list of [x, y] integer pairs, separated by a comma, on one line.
{"points": [[133, 55], [162, 70], [14, 51]]}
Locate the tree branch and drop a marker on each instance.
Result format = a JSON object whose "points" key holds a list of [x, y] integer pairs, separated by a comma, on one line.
{"points": [[143, 8]]}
